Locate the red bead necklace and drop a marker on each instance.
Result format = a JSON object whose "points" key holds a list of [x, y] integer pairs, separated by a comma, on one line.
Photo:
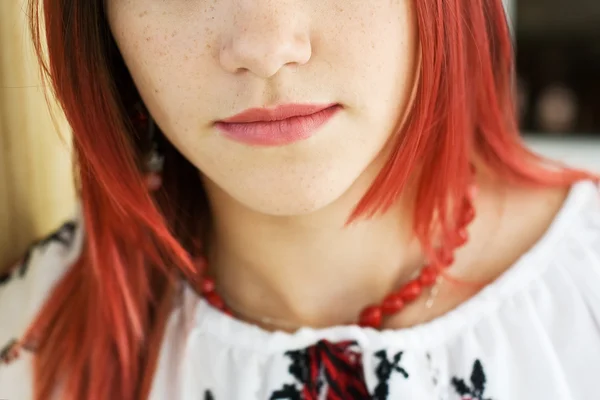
{"points": [[373, 315]]}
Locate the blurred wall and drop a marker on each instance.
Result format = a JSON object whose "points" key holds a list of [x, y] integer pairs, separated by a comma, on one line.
{"points": [[36, 191], [580, 152]]}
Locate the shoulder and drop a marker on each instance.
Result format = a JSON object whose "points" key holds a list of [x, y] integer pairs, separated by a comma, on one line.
{"points": [[572, 242], [581, 216], [25, 287], [577, 249], [573, 234]]}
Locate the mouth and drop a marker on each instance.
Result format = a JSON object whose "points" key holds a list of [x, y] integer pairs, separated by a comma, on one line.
{"points": [[277, 126]]}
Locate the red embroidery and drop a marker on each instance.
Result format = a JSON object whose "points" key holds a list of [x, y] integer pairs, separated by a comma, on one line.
{"points": [[331, 371]]}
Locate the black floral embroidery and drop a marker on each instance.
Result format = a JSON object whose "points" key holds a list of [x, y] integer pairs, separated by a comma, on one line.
{"points": [[326, 370], [384, 372], [8, 353], [334, 371], [476, 390], [4, 278], [287, 392], [435, 372], [64, 235], [7, 275]]}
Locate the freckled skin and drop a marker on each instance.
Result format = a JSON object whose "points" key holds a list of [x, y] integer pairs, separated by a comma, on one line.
{"points": [[198, 61]]}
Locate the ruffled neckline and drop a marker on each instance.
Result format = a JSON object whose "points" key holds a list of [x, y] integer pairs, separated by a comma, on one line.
{"points": [[572, 222]]}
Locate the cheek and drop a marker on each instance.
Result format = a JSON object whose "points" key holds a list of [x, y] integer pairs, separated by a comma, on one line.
{"points": [[376, 54], [167, 55]]}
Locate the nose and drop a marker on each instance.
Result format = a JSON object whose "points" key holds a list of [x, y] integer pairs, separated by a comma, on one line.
{"points": [[264, 41]]}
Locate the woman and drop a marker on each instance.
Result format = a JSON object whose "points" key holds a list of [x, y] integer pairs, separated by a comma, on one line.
{"points": [[322, 199]]}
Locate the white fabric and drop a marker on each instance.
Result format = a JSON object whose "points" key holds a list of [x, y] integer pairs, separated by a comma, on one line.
{"points": [[534, 333]]}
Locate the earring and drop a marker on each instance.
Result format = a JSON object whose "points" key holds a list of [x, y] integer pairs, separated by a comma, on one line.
{"points": [[155, 160]]}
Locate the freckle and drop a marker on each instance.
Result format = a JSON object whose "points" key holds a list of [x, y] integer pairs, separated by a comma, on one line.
{"points": [[174, 34], [147, 38], [143, 14], [155, 90]]}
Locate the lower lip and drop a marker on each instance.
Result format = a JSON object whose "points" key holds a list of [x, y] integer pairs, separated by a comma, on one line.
{"points": [[278, 133]]}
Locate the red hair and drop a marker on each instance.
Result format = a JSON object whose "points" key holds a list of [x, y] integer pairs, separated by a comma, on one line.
{"points": [[98, 335]]}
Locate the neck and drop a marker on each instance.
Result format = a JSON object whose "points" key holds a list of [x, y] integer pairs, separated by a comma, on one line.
{"points": [[313, 269]]}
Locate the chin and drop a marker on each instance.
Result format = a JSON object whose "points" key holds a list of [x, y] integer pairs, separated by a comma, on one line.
{"points": [[285, 206], [286, 187], [295, 200]]}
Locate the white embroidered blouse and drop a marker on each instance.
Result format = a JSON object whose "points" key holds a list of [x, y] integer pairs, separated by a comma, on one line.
{"points": [[534, 333]]}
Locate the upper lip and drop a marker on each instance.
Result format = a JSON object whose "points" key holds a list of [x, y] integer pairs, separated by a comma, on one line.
{"points": [[277, 113]]}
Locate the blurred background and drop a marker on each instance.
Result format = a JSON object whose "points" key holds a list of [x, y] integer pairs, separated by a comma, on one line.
{"points": [[36, 191], [558, 63]]}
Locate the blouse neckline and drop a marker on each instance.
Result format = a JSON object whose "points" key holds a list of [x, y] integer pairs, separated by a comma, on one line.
{"points": [[567, 223]]}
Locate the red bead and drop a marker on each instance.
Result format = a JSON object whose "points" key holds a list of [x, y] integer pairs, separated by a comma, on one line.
{"points": [[392, 304], [142, 117], [410, 291], [462, 237], [215, 300], [200, 263], [468, 214], [197, 244], [428, 276], [446, 258], [371, 317], [153, 181], [208, 286]]}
